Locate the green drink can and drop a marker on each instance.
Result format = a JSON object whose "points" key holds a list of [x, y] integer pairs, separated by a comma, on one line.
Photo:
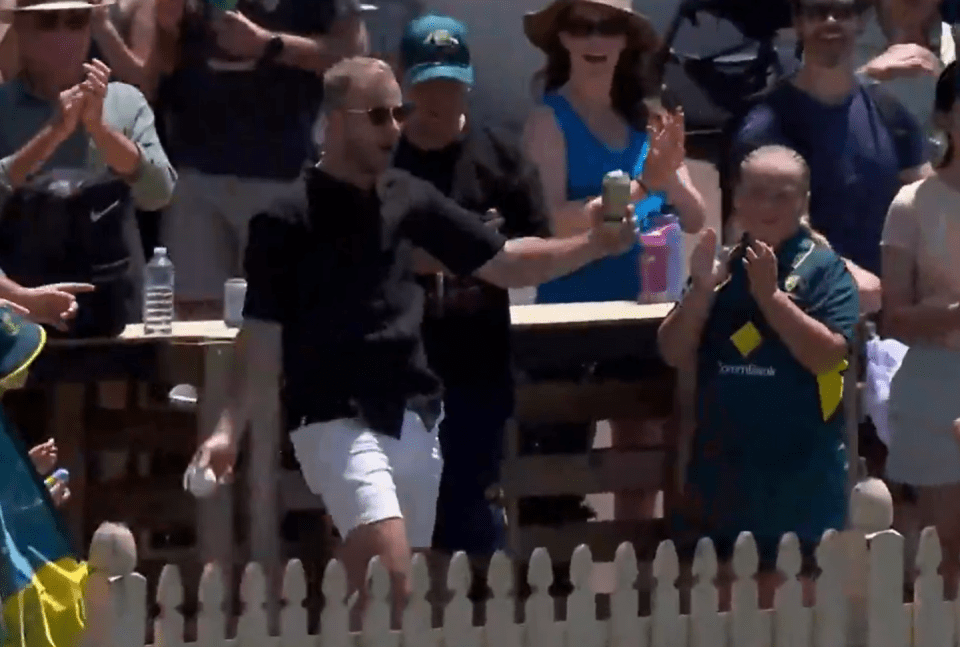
{"points": [[616, 196]]}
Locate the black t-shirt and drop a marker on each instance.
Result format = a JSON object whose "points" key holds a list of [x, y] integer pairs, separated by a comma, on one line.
{"points": [[332, 265], [466, 328]]}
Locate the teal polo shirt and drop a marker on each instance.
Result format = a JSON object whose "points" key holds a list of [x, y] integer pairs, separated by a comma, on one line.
{"points": [[769, 455]]}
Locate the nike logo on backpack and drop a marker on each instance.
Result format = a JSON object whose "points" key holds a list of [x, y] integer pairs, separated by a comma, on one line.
{"points": [[97, 215]]}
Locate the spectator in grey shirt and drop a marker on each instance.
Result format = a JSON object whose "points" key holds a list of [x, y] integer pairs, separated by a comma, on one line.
{"points": [[62, 112]]}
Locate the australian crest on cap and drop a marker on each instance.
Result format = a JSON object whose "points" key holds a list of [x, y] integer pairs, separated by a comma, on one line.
{"points": [[441, 38]]}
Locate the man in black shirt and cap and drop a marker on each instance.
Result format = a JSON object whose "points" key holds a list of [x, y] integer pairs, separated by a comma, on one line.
{"points": [[333, 306]]}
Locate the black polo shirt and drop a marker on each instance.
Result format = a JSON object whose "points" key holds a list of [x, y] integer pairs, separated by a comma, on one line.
{"points": [[332, 265], [466, 328]]}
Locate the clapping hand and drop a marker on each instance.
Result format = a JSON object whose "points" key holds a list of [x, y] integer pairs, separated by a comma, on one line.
{"points": [[761, 263], [667, 149], [68, 111], [705, 271], [94, 89]]}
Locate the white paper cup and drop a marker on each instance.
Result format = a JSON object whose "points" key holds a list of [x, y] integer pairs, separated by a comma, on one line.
{"points": [[234, 293]]}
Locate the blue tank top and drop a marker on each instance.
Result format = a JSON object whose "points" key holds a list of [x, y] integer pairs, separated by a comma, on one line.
{"points": [[615, 278]]}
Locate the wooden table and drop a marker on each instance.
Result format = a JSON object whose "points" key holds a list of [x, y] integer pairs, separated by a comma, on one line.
{"points": [[550, 338]]}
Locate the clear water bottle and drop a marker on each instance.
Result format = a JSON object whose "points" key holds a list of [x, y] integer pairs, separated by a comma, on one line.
{"points": [[158, 282]]}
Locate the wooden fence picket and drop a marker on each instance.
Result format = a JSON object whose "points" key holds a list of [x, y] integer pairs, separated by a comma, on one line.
{"points": [[626, 628], [335, 617], [706, 626], [168, 627], [458, 615], [540, 629], [293, 614], [211, 619], [793, 623], [830, 608], [665, 611], [501, 630], [583, 630], [931, 615], [376, 617], [887, 617], [744, 606]]}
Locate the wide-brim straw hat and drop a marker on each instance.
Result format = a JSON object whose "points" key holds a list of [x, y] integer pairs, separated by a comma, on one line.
{"points": [[30, 6], [541, 26]]}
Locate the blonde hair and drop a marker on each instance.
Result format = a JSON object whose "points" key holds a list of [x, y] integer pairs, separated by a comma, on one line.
{"points": [[794, 156], [342, 76]]}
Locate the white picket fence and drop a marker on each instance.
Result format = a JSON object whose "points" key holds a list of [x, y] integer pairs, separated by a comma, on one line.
{"points": [[859, 601]]}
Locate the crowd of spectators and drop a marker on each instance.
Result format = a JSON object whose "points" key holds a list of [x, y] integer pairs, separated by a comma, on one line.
{"points": [[417, 260]]}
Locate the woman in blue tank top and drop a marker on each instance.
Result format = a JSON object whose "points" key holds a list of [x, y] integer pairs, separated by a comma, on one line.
{"points": [[593, 120]]}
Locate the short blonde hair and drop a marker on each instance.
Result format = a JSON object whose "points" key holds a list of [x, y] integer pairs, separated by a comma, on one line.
{"points": [[344, 75], [791, 154]]}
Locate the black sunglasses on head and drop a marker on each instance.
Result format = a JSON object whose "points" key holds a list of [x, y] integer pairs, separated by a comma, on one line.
{"points": [[823, 11], [382, 114], [70, 19], [584, 28]]}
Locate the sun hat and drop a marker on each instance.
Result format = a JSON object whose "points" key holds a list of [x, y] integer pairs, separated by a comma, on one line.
{"points": [[540, 26], [20, 343], [24, 6], [435, 47]]}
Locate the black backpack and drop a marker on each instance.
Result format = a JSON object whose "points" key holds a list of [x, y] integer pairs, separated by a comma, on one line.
{"points": [[69, 227], [718, 56]]}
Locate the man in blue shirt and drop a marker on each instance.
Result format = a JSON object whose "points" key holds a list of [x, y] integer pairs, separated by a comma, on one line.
{"points": [[240, 97], [860, 153]]}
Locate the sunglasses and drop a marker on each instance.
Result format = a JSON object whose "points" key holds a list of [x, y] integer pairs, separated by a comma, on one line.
{"points": [[382, 115], [822, 11], [583, 28], [71, 19]]}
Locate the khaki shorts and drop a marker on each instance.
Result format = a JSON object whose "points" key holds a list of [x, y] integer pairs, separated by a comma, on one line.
{"points": [[205, 229]]}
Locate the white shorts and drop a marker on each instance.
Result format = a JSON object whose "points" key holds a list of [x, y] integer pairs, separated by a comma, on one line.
{"points": [[364, 477]]}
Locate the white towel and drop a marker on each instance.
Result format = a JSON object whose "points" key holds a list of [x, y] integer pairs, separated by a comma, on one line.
{"points": [[884, 357]]}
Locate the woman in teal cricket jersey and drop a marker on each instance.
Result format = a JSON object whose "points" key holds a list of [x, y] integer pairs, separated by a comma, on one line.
{"points": [[769, 331]]}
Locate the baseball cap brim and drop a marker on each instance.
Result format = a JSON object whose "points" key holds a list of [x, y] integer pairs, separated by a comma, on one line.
{"points": [[421, 73]]}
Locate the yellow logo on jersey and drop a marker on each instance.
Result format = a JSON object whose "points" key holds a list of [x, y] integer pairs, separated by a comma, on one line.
{"points": [[830, 387], [747, 339]]}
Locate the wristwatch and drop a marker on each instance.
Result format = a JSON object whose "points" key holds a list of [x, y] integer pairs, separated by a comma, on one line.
{"points": [[273, 50]]}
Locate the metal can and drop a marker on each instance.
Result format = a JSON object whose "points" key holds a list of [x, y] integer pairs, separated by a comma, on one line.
{"points": [[616, 196]]}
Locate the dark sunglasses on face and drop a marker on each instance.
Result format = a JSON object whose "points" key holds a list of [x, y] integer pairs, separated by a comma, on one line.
{"points": [[821, 11], [72, 19], [382, 114], [583, 28]]}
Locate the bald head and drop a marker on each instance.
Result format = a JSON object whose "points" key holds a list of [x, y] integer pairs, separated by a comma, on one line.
{"points": [[349, 74]]}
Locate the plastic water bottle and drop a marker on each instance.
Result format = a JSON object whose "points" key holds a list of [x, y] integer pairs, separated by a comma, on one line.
{"points": [[158, 282], [670, 226]]}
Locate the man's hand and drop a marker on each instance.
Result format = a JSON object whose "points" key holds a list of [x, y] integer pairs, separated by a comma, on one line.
{"points": [[69, 109], [94, 89], [54, 304], [611, 238], [219, 453], [239, 36], [761, 263], [903, 60]]}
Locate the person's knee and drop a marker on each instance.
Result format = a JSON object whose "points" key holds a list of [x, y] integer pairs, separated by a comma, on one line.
{"points": [[386, 539]]}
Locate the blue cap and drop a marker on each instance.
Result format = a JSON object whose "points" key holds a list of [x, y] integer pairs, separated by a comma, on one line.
{"points": [[435, 47]]}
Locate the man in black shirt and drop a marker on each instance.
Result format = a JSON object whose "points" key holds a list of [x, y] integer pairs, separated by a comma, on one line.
{"points": [[332, 301], [466, 327]]}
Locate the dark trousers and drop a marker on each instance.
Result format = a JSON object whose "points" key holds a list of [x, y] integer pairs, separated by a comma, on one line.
{"points": [[471, 438]]}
